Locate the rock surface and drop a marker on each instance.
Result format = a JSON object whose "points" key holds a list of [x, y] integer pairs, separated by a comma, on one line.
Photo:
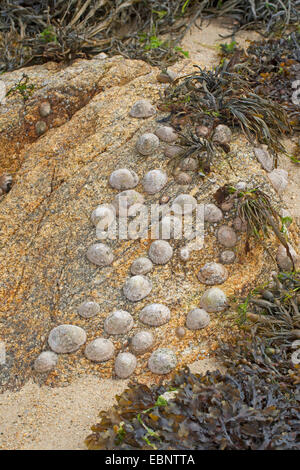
{"points": [[59, 178]]}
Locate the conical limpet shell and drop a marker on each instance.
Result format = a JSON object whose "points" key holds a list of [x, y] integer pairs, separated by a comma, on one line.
{"points": [[105, 213], [142, 342], [99, 350], [137, 288], [162, 361], [154, 181], [118, 323], [66, 338], [125, 364], [160, 252], [166, 134], [100, 254], [124, 200], [123, 179], [88, 309], [142, 109], [212, 274], [147, 143], [155, 314], [141, 265], [197, 319]]}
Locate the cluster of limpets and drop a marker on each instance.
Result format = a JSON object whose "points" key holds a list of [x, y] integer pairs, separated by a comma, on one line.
{"points": [[69, 338]]}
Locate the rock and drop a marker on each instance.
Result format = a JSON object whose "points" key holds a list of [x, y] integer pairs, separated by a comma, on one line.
{"points": [[162, 361], [166, 77], [203, 131], [105, 213], [184, 253], [142, 342], [142, 109], [212, 213], [147, 144], [197, 319], [5, 183], [100, 350], [284, 261], [45, 109], [222, 135], [100, 254], [166, 134], [183, 178], [213, 300], [180, 332], [137, 288], [154, 181], [240, 225], [40, 127], [212, 274], [155, 314], [184, 204], [264, 158], [45, 362], [100, 56], [124, 200], [227, 257], [118, 323], [88, 309], [141, 265], [123, 179], [189, 164], [66, 338], [279, 179], [173, 151], [226, 236], [160, 252], [125, 365]]}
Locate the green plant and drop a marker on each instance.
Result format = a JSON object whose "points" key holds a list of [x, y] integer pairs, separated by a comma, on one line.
{"points": [[22, 87]]}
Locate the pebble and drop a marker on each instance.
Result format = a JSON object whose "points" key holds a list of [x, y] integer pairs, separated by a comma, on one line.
{"points": [[100, 350], [137, 288], [167, 76], [279, 179], [123, 179], [212, 274], [184, 204], [184, 253], [124, 200], [197, 319], [189, 164], [5, 183], [173, 151], [240, 225], [118, 323], [147, 144], [284, 261], [88, 309], [166, 134], [142, 109], [212, 213], [162, 361], [160, 252], [45, 109], [264, 158], [226, 236], [66, 338], [222, 134], [40, 127], [184, 178], [105, 213], [227, 257], [154, 181], [180, 332], [45, 362], [213, 300], [100, 254], [141, 265], [125, 365], [202, 131], [155, 315], [142, 342]]}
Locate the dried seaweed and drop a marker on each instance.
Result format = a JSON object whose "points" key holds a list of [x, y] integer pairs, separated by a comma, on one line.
{"points": [[222, 96], [276, 310], [34, 31], [253, 406]]}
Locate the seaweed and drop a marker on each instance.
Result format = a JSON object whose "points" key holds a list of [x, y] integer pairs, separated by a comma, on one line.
{"points": [[255, 209], [253, 406], [223, 96], [275, 309]]}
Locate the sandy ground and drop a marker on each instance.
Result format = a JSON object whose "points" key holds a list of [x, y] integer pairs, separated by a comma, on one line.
{"points": [[60, 418]]}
